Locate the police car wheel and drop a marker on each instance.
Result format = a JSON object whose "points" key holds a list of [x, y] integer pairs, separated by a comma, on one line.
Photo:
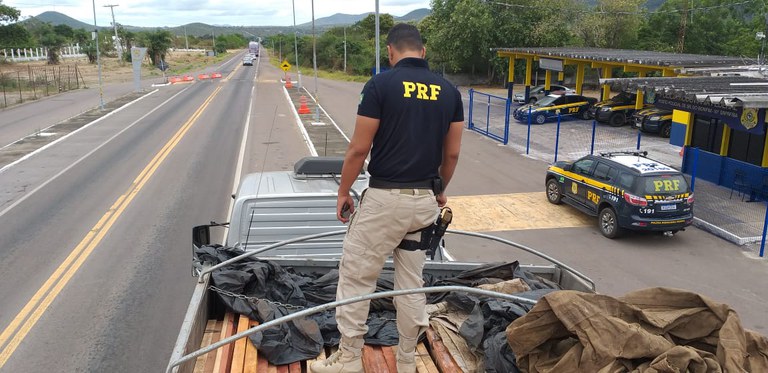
{"points": [[616, 120], [665, 130], [554, 195], [540, 119], [585, 114], [608, 223]]}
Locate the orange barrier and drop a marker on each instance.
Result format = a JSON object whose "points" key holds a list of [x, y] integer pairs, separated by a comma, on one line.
{"points": [[174, 79], [203, 77], [188, 78], [303, 108], [215, 75], [288, 84]]}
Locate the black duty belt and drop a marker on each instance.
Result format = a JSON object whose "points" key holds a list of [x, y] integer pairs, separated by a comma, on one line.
{"points": [[436, 184]]}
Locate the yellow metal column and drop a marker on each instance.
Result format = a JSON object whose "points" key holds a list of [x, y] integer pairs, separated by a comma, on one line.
{"points": [[684, 117], [765, 153], [639, 101], [668, 72], [725, 141], [607, 74], [528, 71], [560, 77], [547, 80], [579, 77], [511, 77]]}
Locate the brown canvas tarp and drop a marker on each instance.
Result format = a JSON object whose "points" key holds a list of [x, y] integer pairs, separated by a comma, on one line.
{"points": [[649, 331]]}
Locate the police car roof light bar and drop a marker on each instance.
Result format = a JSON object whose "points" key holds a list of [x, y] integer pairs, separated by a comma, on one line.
{"points": [[643, 153]]}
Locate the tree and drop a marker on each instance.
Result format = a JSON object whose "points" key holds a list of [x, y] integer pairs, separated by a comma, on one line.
{"points": [[367, 25], [157, 44], [8, 14], [12, 34], [612, 24]]}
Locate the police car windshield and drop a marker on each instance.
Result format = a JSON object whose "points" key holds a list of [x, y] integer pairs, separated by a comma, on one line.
{"points": [[546, 100], [669, 184]]}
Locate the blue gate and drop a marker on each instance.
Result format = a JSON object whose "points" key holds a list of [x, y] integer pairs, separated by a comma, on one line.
{"points": [[489, 115]]}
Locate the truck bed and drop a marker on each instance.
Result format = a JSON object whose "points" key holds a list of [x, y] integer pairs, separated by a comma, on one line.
{"points": [[242, 356]]}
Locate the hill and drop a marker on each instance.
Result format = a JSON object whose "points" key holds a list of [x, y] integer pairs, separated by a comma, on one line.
{"points": [[341, 19], [56, 18]]}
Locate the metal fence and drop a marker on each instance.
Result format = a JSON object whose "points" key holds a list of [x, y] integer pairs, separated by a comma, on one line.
{"points": [[17, 86], [489, 115], [735, 211], [568, 138]]}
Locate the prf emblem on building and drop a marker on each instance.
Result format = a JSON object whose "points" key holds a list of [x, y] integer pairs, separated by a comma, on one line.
{"points": [[749, 118]]}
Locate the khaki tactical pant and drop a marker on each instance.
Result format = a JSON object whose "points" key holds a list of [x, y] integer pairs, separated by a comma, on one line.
{"points": [[383, 219]]}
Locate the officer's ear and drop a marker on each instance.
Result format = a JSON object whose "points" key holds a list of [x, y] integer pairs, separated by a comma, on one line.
{"points": [[389, 53], [423, 52]]}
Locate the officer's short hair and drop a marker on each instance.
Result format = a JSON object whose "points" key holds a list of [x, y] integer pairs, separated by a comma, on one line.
{"points": [[405, 37]]}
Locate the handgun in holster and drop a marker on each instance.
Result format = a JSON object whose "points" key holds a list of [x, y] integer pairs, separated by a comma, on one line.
{"points": [[431, 235]]}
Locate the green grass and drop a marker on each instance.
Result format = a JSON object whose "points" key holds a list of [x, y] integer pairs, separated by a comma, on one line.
{"points": [[325, 74]]}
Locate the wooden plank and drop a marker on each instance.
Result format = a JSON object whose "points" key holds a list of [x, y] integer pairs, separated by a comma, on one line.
{"points": [[294, 367], [210, 329], [215, 336], [373, 360], [390, 356], [251, 354], [429, 365], [440, 354], [282, 369], [263, 366], [319, 357], [238, 354], [224, 354]]}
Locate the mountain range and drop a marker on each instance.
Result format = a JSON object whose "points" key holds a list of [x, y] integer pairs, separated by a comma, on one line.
{"points": [[203, 29]]}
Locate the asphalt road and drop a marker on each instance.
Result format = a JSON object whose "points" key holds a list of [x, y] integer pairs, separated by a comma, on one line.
{"points": [[107, 215]]}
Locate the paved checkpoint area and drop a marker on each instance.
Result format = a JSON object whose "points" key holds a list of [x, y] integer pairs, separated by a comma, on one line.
{"points": [[516, 211]]}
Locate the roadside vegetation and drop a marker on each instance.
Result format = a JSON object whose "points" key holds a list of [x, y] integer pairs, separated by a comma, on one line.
{"points": [[460, 34]]}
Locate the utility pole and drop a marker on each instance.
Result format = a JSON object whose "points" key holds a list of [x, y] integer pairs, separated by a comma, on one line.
{"points": [[683, 27], [118, 45], [296, 44], [213, 31], [98, 58], [186, 40], [345, 49]]}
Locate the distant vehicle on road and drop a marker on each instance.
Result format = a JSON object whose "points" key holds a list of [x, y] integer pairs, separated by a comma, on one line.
{"points": [[537, 93], [570, 106], [247, 61], [253, 47], [624, 190]]}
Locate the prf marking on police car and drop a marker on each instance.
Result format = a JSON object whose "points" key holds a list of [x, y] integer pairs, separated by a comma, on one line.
{"points": [[593, 197], [421, 90]]}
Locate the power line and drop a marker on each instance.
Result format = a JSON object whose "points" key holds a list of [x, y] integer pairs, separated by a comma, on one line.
{"points": [[595, 11]]}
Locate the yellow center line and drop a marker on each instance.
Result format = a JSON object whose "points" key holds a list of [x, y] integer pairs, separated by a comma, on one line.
{"points": [[39, 303]]}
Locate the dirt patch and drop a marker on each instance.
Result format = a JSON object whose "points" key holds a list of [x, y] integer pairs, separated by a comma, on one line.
{"points": [[26, 81]]}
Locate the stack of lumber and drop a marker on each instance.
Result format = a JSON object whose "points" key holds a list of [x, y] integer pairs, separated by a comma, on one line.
{"points": [[242, 357]]}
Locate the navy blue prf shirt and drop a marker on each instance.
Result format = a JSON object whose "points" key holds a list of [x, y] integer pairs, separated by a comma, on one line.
{"points": [[415, 107]]}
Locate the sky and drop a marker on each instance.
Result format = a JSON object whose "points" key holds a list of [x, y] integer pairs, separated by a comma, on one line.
{"points": [[157, 13]]}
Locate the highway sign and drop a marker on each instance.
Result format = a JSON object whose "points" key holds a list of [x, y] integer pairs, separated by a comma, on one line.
{"points": [[285, 66]]}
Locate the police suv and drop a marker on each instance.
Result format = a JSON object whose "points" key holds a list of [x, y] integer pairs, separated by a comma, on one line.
{"points": [[568, 106], [654, 120], [616, 110], [625, 190]]}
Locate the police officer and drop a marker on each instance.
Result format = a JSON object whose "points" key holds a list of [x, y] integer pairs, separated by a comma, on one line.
{"points": [[411, 121]]}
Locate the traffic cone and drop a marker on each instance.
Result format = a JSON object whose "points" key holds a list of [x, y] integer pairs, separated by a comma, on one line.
{"points": [[303, 108]]}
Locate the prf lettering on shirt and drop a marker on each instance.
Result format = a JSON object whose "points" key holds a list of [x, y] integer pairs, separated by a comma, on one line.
{"points": [[423, 91]]}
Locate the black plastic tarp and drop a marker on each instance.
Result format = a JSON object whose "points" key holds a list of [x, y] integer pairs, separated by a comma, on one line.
{"points": [[267, 291]]}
